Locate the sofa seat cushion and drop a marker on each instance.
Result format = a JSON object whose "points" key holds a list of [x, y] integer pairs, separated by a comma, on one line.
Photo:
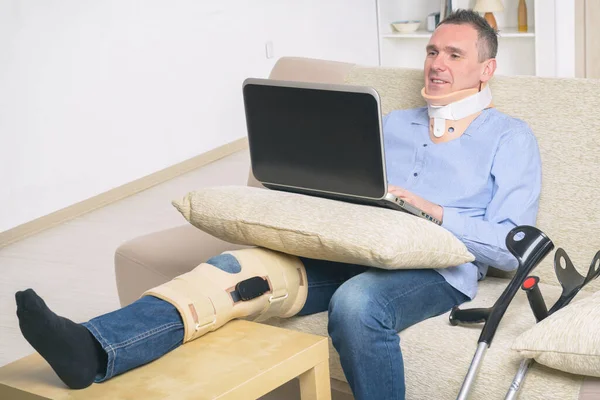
{"points": [[437, 355], [320, 228]]}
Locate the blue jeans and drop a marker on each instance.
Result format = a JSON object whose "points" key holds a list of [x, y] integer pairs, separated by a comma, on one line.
{"points": [[367, 307]]}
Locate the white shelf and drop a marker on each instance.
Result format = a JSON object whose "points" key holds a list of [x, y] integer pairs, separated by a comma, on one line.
{"points": [[514, 32], [416, 34], [503, 33]]}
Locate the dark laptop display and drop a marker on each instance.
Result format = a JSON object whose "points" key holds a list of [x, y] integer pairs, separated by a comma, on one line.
{"points": [[323, 140]]}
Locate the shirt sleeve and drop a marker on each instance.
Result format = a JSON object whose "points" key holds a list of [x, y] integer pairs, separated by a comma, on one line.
{"points": [[516, 172]]}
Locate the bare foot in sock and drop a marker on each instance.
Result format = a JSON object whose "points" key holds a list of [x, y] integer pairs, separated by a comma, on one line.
{"points": [[70, 349]]}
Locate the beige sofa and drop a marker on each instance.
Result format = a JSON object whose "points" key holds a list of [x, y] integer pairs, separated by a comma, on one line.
{"points": [[563, 115]]}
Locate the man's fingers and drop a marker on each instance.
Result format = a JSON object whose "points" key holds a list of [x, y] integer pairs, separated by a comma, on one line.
{"points": [[392, 189], [399, 192]]}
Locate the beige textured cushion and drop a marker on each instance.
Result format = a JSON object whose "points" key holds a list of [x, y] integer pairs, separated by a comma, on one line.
{"points": [[321, 228], [568, 340]]}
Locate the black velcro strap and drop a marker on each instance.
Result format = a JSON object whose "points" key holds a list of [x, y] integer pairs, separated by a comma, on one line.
{"points": [[250, 288]]}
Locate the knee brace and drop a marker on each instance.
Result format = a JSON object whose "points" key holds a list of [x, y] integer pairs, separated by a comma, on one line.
{"points": [[260, 284]]}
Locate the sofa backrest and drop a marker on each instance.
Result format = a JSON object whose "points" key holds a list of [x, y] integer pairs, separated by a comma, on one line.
{"points": [[562, 114]]}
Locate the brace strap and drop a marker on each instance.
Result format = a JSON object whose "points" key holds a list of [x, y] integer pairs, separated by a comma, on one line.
{"points": [[277, 282]]}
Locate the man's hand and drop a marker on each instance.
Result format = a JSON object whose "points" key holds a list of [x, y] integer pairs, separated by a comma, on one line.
{"points": [[430, 208]]}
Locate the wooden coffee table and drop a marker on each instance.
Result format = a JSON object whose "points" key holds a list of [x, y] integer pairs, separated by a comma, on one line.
{"points": [[241, 360]]}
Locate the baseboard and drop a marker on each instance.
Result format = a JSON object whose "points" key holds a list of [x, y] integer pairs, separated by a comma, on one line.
{"points": [[56, 218]]}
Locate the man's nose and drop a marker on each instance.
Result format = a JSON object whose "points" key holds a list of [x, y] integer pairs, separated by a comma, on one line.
{"points": [[438, 63]]}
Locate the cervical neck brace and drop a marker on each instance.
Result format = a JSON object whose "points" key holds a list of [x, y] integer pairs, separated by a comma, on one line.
{"points": [[455, 106]]}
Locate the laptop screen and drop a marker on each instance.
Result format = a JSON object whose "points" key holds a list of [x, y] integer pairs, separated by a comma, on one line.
{"points": [[316, 139]]}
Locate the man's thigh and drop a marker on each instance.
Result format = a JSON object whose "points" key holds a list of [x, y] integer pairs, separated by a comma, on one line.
{"points": [[403, 297], [324, 278]]}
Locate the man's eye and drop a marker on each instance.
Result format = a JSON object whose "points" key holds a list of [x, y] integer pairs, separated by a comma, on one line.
{"points": [[431, 53], [455, 56]]}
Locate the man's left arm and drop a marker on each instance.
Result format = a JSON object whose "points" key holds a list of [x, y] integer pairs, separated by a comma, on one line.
{"points": [[517, 184]]}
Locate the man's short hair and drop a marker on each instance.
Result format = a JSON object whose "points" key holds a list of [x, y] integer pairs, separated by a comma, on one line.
{"points": [[487, 37]]}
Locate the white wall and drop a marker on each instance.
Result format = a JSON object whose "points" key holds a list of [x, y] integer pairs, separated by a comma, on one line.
{"points": [[95, 94], [555, 38], [565, 38]]}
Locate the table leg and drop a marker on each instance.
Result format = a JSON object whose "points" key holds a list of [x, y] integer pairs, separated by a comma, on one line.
{"points": [[315, 384]]}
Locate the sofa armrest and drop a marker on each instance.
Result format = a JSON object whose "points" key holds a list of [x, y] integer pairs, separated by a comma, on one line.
{"points": [[150, 260]]}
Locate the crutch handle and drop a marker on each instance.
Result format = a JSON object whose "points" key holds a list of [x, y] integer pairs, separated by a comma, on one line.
{"points": [[535, 298], [468, 316]]}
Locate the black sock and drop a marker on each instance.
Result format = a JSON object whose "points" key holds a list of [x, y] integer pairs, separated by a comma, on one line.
{"points": [[70, 349]]}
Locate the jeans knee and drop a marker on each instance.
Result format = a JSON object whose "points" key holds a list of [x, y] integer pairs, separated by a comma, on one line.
{"points": [[225, 262], [354, 313]]}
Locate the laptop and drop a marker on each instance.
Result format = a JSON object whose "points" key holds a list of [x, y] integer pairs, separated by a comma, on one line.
{"points": [[318, 139]]}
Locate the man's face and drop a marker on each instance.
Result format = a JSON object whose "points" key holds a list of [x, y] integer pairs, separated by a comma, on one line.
{"points": [[452, 61]]}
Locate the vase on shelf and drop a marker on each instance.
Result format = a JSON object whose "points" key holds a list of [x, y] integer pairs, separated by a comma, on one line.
{"points": [[522, 16], [489, 7]]}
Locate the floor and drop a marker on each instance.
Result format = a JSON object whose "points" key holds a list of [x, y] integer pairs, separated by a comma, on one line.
{"points": [[71, 266]]}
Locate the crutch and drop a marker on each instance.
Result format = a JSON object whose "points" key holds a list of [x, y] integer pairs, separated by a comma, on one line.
{"points": [[572, 282], [529, 245]]}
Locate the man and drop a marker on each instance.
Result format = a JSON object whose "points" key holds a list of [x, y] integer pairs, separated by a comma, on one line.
{"points": [[459, 159]]}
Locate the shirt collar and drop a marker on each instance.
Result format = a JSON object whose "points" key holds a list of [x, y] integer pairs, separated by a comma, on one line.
{"points": [[422, 118]]}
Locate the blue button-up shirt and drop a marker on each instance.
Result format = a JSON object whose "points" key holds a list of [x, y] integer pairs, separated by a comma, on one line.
{"points": [[488, 181]]}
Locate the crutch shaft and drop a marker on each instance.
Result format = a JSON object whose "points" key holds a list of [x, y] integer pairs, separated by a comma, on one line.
{"points": [[473, 370], [518, 380]]}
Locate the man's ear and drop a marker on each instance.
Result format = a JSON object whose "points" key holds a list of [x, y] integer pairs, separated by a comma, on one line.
{"points": [[489, 67]]}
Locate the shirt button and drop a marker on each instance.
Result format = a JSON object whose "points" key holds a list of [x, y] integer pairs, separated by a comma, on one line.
{"points": [[425, 145], [415, 174]]}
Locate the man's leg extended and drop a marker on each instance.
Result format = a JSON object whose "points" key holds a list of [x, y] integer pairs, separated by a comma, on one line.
{"points": [[366, 313], [150, 327], [106, 345], [252, 283]]}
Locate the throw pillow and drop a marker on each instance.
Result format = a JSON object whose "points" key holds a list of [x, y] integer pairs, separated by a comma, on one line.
{"points": [[321, 228], [567, 340]]}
